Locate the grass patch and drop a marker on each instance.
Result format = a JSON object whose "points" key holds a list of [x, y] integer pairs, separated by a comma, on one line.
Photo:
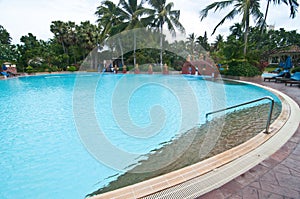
{"points": [[269, 69]]}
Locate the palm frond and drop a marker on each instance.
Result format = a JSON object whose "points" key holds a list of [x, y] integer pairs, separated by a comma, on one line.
{"points": [[216, 6], [293, 8], [229, 16]]}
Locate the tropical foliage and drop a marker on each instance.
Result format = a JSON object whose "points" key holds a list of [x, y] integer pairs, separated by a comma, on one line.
{"points": [[7, 51], [163, 14], [242, 69], [246, 8], [71, 43], [230, 52]]}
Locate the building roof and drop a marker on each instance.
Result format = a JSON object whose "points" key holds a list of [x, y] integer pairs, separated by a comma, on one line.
{"points": [[293, 49]]}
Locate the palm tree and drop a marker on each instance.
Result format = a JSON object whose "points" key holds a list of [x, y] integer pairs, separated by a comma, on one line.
{"points": [[240, 7], [133, 16], [293, 9], [65, 34], [108, 16], [236, 30], [219, 41], [163, 13], [87, 37], [58, 29], [192, 39], [203, 42]]}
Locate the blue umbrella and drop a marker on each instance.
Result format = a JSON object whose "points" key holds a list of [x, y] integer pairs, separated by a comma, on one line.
{"points": [[288, 63], [281, 64]]}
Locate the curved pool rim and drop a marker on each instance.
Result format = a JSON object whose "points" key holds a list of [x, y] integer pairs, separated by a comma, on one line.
{"points": [[207, 175]]}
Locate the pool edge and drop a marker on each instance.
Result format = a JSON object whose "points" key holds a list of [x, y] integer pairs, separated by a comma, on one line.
{"points": [[212, 173]]}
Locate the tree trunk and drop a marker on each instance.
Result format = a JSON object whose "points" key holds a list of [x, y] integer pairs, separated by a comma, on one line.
{"points": [[67, 52], [266, 14], [245, 41], [246, 35], [161, 47], [193, 49], [134, 48], [121, 49], [63, 46]]}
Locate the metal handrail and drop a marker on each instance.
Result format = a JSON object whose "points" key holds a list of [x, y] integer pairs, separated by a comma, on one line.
{"points": [[263, 98]]}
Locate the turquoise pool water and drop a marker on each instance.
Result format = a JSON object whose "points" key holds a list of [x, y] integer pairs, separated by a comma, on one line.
{"points": [[43, 155]]}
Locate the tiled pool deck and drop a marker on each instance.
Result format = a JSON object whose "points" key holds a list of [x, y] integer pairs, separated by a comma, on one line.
{"points": [[278, 176]]}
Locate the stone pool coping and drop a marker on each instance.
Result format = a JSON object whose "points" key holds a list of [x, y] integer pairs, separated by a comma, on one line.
{"points": [[202, 177]]}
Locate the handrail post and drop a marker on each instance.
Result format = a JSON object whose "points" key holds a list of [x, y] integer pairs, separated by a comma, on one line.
{"points": [[270, 116], [263, 98]]}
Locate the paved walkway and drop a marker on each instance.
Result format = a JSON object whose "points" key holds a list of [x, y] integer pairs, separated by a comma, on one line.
{"points": [[276, 177]]}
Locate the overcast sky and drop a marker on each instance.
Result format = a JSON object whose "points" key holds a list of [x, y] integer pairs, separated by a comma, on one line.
{"points": [[20, 17]]}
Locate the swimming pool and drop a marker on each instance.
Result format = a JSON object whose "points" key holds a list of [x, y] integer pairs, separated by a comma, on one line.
{"points": [[44, 119]]}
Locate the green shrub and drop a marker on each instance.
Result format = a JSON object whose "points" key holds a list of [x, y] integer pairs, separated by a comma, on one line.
{"points": [[296, 69], [29, 69], [53, 69], [41, 70], [242, 69], [71, 68]]}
